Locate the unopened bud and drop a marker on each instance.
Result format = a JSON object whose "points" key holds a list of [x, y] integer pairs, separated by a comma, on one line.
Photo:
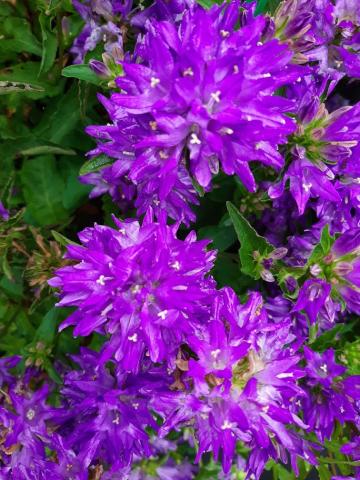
{"points": [[99, 68], [278, 253], [315, 270], [267, 276], [343, 268]]}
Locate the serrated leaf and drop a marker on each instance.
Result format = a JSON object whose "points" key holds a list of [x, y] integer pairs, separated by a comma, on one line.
{"points": [[250, 242], [95, 164], [43, 188], [81, 72]]}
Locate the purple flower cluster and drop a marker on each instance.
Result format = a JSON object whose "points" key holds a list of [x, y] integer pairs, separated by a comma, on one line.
{"points": [[195, 97], [140, 285], [207, 94]]}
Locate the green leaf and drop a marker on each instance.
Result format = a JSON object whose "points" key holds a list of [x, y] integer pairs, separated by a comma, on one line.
{"points": [[250, 242], [49, 43], [81, 72], [43, 188], [75, 192], [326, 240], [46, 149], [208, 3], [48, 327], [61, 239], [222, 237], [27, 73], [323, 247], [266, 6], [328, 339], [16, 36], [10, 87], [95, 164], [61, 118], [324, 472]]}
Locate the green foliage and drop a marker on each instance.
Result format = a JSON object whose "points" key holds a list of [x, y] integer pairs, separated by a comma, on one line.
{"points": [[81, 72], [42, 140], [253, 247]]}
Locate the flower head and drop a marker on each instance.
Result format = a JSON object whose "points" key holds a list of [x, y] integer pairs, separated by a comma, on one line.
{"points": [[202, 101], [140, 284], [239, 385]]}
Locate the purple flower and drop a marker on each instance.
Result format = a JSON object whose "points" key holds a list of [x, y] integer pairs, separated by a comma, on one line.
{"points": [[24, 417], [140, 284], [203, 101], [239, 385], [318, 31], [102, 19], [106, 418], [321, 148], [329, 397], [345, 264], [4, 213], [7, 363], [312, 298]]}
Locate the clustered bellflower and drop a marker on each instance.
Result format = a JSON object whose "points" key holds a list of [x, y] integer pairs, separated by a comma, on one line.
{"points": [[144, 287], [173, 363], [196, 97]]}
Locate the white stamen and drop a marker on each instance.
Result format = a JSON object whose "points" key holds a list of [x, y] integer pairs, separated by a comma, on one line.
{"points": [[175, 265], [226, 425], [215, 353], [226, 131], [154, 81], [224, 33], [342, 410], [135, 405], [136, 289], [194, 139], [236, 69], [162, 314], [323, 367], [306, 186], [216, 96], [163, 154], [101, 280], [122, 231], [106, 310], [188, 72], [285, 375], [259, 44], [30, 414], [116, 420], [133, 338]]}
